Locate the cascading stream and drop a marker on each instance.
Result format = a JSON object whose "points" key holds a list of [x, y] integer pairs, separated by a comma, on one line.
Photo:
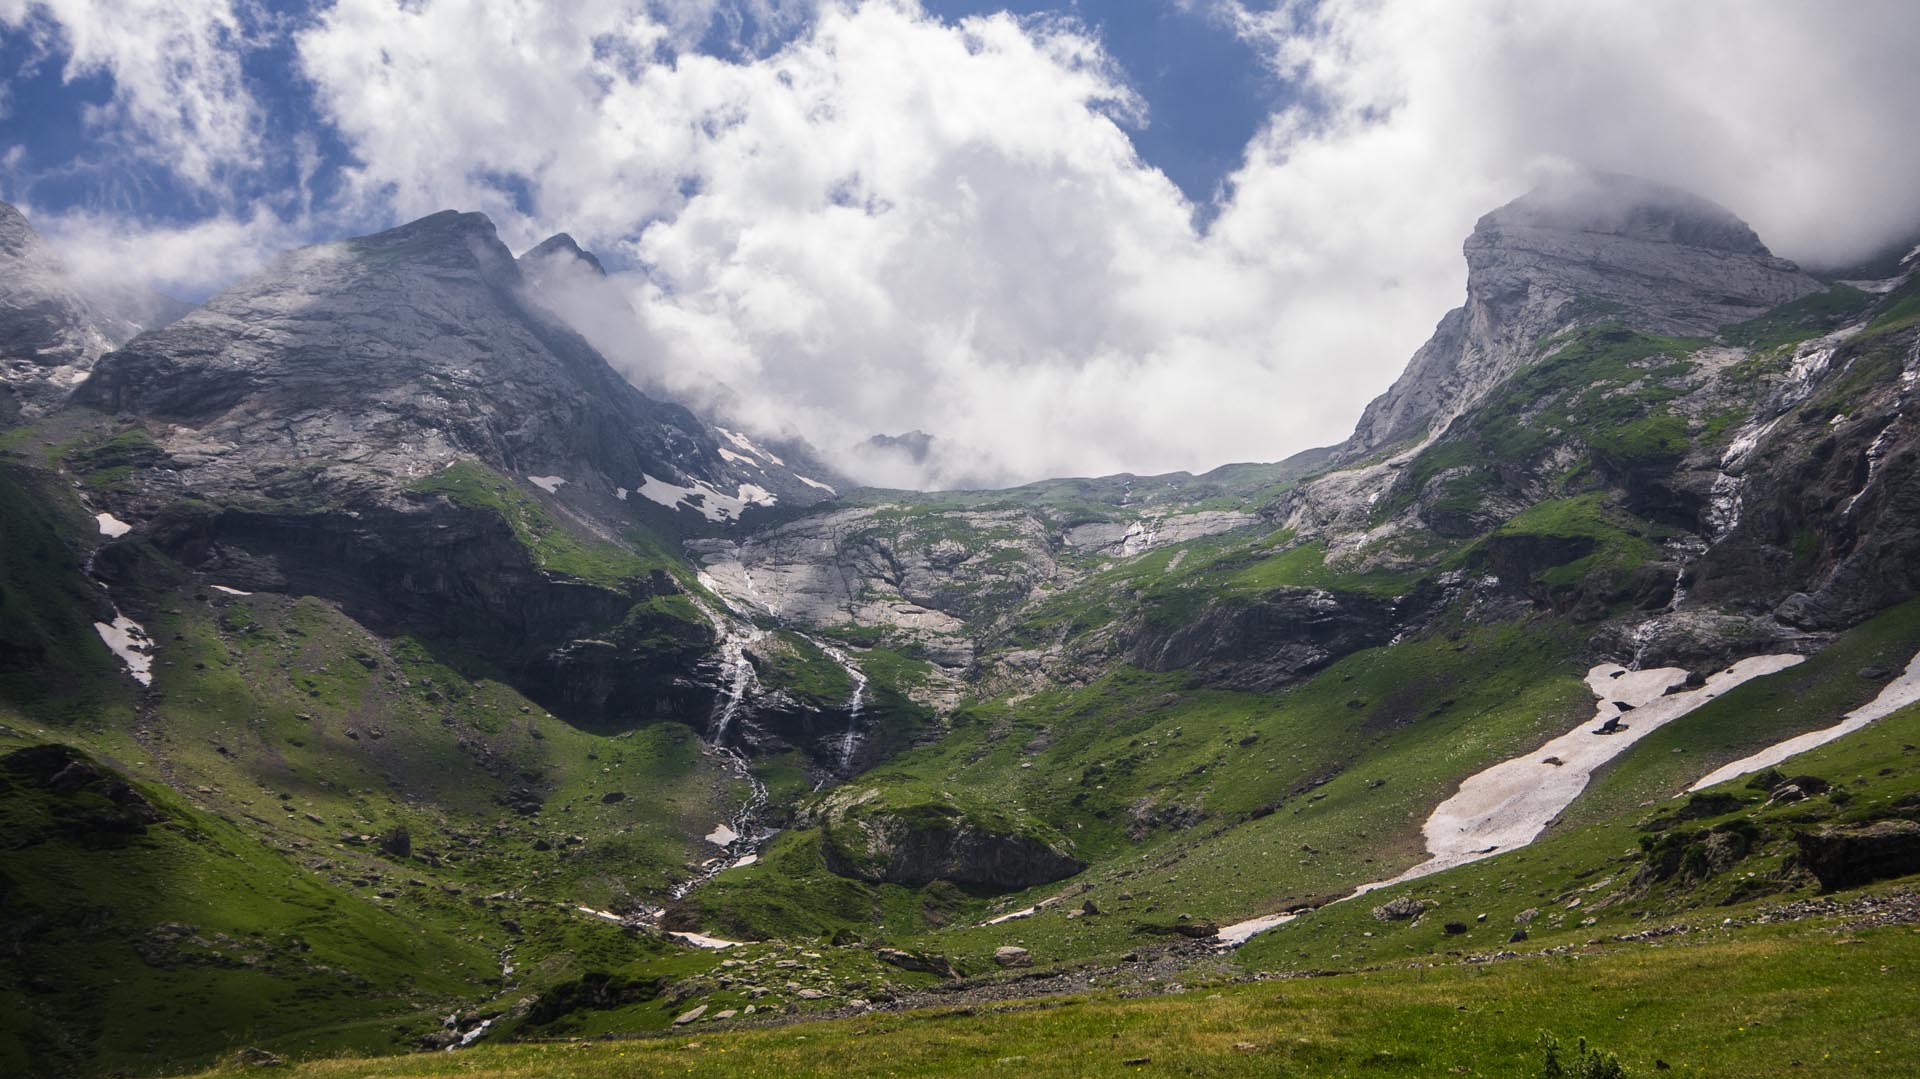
{"points": [[851, 741]]}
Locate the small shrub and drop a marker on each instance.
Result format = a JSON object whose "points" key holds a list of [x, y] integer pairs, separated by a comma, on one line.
{"points": [[1584, 1063], [398, 841]]}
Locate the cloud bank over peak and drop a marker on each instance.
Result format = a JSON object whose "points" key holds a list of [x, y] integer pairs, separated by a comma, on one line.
{"points": [[858, 217]]}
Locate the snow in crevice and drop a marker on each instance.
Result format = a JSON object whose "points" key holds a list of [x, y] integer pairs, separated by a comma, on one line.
{"points": [[110, 526], [229, 590], [128, 640], [816, 484], [708, 502], [549, 484], [748, 445], [1911, 255], [1897, 694], [1878, 287]]}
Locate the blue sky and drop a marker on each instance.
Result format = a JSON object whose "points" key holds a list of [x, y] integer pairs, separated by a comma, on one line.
{"points": [[1206, 89]]}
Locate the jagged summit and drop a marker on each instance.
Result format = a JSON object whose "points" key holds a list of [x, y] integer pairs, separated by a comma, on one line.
{"points": [[1584, 247], [17, 236], [560, 245]]}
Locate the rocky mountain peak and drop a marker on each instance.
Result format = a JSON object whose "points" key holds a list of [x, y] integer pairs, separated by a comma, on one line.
{"points": [[1582, 248], [1613, 204], [561, 245], [17, 236], [387, 357]]}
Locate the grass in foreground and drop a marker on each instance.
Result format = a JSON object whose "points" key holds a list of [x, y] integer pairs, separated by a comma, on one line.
{"points": [[1810, 1001]]}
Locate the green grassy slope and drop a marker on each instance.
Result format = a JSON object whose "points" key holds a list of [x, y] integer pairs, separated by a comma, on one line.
{"points": [[1750, 1003]]}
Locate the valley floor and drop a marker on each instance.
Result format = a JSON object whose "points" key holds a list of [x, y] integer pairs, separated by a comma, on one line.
{"points": [[1830, 990]]}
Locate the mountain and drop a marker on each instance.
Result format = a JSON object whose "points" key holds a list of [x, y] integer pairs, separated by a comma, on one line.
{"points": [[427, 330], [1584, 244], [52, 327], [373, 581]]}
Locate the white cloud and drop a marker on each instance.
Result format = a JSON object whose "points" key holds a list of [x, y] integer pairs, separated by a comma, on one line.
{"points": [[179, 96], [104, 251], [893, 223]]}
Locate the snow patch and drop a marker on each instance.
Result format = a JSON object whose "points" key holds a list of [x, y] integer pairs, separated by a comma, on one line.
{"points": [[722, 836], [737, 458], [112, 527], [1897, 694], [710, 503], [815, 483], [620, 493], [549, 484], [1015, 916], [1911, 255], [1233, 936], [128, 640], [747, 444], [701, 940], [1508, 805], [228, 590]]}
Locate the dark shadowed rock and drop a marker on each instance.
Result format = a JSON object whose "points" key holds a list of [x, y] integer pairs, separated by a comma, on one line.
{"points": [[1846, 857]]}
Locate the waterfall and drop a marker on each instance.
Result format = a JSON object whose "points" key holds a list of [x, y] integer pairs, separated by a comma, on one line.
{"points": [[850, 744], [850, 741]]}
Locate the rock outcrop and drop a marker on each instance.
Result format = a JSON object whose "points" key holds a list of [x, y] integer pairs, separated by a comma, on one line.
{"points": [[946, 840], [1848, 857]]}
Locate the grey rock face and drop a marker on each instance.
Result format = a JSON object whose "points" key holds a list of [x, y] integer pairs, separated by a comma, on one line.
{"points": [[1268, 641], [561, 246], [388, 357], [1588, 247], [1826, 513], [51, 328]]}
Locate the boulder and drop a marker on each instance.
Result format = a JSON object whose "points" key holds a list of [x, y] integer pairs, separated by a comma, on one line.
{"points": [[1845, 857], [919, 961], [1400, 909], [1011, 956]]}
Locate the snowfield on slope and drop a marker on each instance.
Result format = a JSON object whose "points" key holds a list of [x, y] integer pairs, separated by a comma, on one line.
{"points": [[1895, 695], [1511, 803], [1508, 805]]}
